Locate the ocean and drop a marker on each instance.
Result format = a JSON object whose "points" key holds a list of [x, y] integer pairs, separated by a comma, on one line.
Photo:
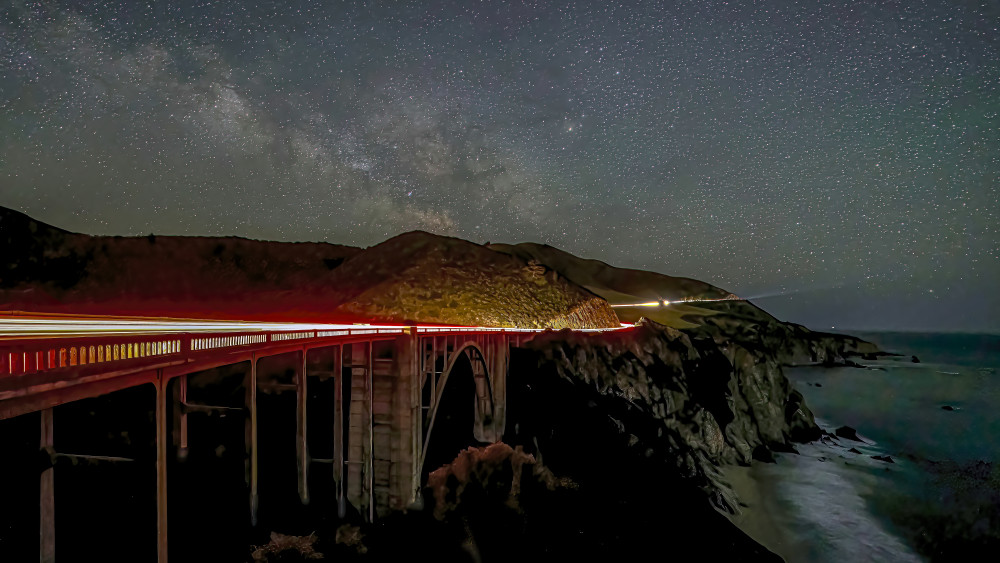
{"points": [[938, 420]]}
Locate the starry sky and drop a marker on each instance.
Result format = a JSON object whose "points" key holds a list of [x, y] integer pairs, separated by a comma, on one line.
{"points": [[843, 154]]}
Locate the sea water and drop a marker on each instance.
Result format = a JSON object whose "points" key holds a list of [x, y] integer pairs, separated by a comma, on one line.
{"points": [[938, 419]]}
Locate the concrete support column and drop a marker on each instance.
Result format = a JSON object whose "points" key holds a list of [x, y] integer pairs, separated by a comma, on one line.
{"points": [[251, 438], [182, 417], [359, 452], [483, 430], [47, 506], [338, 430], [500, 352], [161, 467], [301, 445], [369, 472], [405, 474]]}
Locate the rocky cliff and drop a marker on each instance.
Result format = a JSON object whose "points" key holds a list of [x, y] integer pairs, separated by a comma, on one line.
{"points": [[788, 343], [685, 397]]}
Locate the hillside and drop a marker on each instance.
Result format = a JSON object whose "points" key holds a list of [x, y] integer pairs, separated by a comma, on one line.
{"points": [[620, 286], [47, 269], [415, 277], [430, 278]]}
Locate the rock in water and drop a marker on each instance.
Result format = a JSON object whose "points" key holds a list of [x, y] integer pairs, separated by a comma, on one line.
{"points": [[847, 432]]}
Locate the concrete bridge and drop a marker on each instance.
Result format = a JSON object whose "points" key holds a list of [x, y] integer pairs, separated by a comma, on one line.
{"points": [[368, 399]]}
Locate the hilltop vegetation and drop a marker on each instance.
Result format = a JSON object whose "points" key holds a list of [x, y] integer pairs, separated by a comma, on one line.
{"points": [[415, 277], [622, 286]]}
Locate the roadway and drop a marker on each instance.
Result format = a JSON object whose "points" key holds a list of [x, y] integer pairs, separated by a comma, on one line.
{"points": [[28, 325]]}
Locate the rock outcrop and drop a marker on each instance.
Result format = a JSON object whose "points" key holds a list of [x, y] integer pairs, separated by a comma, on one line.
{"points": [[789, 343]]}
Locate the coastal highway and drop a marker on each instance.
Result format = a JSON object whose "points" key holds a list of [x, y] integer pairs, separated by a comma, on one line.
{"points": [[27, 325], [48, 327]]}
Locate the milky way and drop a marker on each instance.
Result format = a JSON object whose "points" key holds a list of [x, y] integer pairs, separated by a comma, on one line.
{"points": [[845, 151]]}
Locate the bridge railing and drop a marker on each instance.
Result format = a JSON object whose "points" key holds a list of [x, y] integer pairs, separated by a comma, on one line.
{"points": [[43, 354], [33, 354], [22, 356]]}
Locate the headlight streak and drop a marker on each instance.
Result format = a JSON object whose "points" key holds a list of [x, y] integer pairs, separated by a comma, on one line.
{"points": [[666, 303], [23, 327]]}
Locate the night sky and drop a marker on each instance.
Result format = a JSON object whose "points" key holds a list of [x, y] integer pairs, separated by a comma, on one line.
{"points": [[848, 151]]}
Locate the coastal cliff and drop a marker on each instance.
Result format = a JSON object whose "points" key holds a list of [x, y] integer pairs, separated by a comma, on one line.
{"points": [[789, 343], [689, 398]]}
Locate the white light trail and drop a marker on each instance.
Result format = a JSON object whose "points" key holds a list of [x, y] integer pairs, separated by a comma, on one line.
{"points": [[682, 301], [70, 327], [27, 327], [647, 304]]}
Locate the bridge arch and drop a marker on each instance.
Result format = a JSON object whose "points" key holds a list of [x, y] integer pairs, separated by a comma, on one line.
{"points": [[484, 406]]}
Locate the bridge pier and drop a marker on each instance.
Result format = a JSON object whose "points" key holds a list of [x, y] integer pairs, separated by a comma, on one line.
{"points": [[358, 464], [338, 431], [251, 438], [406, 413], [181, 417], [162, 438], [301, 442], [498, 358], [47, 505]]}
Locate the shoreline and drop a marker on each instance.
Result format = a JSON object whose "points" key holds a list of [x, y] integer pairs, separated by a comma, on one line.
{"points": [[760, 516]]}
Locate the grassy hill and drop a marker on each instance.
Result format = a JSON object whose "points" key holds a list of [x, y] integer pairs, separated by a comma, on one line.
{"points": [[621, 286], [415, 277], [439, 279]]}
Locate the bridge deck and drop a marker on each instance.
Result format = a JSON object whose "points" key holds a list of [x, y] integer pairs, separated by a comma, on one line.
{"points": [[383, 407], [46, 361]]}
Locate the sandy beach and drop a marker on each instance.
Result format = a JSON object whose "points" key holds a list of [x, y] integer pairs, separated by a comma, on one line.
{"points": [[760, 516]]}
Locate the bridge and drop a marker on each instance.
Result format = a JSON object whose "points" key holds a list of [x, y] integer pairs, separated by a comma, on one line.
{"points": [[368, 398]]}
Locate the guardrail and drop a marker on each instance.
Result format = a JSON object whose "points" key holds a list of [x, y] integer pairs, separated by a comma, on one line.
{"points": [[20, 356]]}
